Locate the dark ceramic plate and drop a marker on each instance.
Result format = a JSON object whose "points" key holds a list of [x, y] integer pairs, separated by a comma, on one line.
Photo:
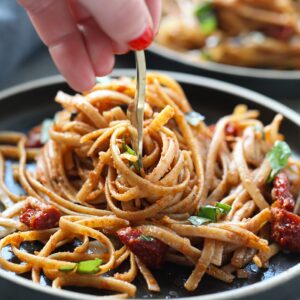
{"points": [[279, 84], [27, 105]]}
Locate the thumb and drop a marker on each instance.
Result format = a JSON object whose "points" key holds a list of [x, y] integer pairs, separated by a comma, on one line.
{"points": [[125, 22]]}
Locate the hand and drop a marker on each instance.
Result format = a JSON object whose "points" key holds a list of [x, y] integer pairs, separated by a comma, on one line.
{"points": [[83, 36]]}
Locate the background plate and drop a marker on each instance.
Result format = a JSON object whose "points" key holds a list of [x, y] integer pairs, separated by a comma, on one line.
{"points": [[279, 84]]}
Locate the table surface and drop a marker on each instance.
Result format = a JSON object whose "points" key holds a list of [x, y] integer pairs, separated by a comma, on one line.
{"points": [[41, 66]]}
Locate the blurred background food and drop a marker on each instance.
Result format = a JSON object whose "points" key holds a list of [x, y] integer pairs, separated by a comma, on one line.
{"points": [[251, 33]]}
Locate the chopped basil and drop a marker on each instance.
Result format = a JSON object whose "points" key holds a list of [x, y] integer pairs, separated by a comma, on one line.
{"points": [[278, 158], [194, 118], [104, 79], [89, 266], [209, 213], [146, 238], [47, 123], [67, 268], [197, 221], [130, 151], [207, 18]]}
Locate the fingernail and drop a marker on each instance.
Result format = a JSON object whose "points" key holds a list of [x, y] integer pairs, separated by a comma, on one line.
{"points": [[143, 41]]}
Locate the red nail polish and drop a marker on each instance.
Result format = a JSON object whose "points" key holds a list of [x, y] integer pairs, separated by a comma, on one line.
{"points": [[143, 41]]}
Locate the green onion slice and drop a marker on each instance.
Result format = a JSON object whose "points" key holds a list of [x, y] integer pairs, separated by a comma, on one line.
{"points": [[209, 213], [224, 207], [89, 266], [130, 151], [67, 268]]}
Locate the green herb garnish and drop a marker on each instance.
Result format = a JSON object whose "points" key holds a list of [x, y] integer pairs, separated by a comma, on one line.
{"points": [[47, 123], [278, 158], [223, 208], [209, 213], [207, 18], [146, 238], [84, 267], [130, 151], [67, 268], [89, 266], [197, 221], [194, 118]]}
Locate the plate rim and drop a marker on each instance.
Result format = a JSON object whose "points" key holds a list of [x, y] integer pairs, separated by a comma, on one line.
{"points": [[253, 73], [221, 86]]}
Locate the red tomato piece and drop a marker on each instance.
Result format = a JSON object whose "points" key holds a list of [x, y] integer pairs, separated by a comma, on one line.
{"points": [[37, 215], [151, 251]]}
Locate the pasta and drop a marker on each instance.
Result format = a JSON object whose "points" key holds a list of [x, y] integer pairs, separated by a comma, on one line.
{"points": [[250, 33], [202, 198]]}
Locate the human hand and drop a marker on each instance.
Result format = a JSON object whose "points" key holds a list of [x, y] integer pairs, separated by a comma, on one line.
{"points": [[83, 36]]}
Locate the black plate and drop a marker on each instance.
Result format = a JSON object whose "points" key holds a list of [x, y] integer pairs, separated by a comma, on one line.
{"points": [[27, 105], [279, 84]]}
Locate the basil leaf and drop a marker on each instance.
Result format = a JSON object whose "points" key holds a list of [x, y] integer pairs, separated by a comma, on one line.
{"points": [[207, 18], [129, 150], [225, 208], [194, 118], [67, 268], [146, 238], [89, 266], [278, 158], [47, 123], [104, 79], [197, 221]]}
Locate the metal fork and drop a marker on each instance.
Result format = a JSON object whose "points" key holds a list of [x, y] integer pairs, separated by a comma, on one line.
{"points": [[137, 109]]}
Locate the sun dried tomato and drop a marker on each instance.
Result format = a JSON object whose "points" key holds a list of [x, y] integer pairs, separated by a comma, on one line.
{"points": [[37, 215], [151, 251], [281, 192], [286, 229], [285, 225]]}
